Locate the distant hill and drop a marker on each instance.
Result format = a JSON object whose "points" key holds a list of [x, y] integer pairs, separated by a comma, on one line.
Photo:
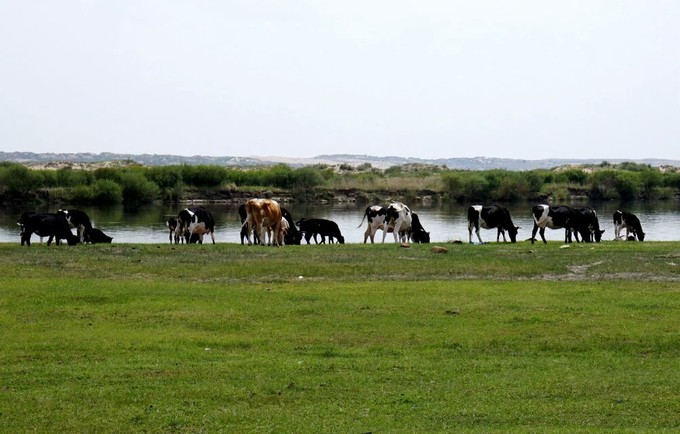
{"points": [[475, 163]]}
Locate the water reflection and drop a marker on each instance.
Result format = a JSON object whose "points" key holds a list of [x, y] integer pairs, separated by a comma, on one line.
{"points": [[445, 222]]}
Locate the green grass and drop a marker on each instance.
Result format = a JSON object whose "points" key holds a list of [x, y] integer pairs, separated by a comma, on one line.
{"points": [[372, 338]]}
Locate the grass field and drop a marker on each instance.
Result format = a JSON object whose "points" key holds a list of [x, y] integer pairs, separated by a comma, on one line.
{"points": [[340, 338]]}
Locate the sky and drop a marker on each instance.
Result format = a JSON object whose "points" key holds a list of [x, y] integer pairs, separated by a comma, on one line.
{"points": [[427, 79]]}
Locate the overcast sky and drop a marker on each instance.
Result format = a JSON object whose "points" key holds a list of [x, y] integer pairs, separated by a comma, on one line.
{"points": [[428, 79]]}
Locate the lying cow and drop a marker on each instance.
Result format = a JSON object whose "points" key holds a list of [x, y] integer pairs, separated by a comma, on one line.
{"points": [[490, 217], [326, 228], [376, 220], [52, 225], [630, 222], [397, 220], [77, 219], [263, 216], [194, 223], [417, 234]]}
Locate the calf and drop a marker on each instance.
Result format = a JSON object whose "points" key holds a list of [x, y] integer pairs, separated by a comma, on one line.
{"points": [[489, 217], [398, 219], [95, 236], [417, 233], [376, 220], [77, 219], [557, 217], [325, 228], [263, 214], [172, 225], [630, 222], [49, 225], [193, 223]]}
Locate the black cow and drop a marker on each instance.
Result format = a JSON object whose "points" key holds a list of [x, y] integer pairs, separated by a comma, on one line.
{"points": [[52, 225], [293, 235], [312, 227], [95, 236], [243, 215], [77, 219], [629, 221], [489, 217], [589, 224], [193, 223], [417, 232]]}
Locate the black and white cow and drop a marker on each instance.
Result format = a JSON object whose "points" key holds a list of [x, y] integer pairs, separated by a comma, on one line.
{"points": [[630, 222], [52, 225], [589, 225], [557, 217], [376, 220], [489, 217], [193, 223], [398, 220], [96, 236], [77, 219], [418, 234], [174, 235], [325, 228]]}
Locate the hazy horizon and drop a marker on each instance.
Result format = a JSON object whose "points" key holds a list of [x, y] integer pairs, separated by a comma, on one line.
{"points": [[524, 80]]}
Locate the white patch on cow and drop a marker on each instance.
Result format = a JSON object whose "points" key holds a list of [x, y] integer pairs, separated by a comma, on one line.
{"points": [[401, 224], [545, 221]]}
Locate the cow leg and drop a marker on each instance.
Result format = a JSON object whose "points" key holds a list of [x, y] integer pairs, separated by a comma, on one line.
{"points": [[26, 237], [476, 227], [49, 240]]}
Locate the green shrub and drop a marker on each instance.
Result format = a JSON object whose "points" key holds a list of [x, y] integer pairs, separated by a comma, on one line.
{"points": [[138, 189]]}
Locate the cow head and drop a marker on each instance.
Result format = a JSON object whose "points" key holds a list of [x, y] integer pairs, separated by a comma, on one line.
{"points": [[641, 236], [512, 232], [598, 235]]}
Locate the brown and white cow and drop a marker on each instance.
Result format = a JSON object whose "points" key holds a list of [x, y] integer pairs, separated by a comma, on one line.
{"points": [[263, 215]]}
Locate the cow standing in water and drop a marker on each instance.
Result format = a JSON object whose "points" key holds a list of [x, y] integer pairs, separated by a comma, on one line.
{"points": [[489, 217], [630, 222]]}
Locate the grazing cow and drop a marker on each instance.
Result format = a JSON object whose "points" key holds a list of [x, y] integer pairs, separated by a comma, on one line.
{"points": [[293, 235], [77, 219], [629, 221], [558, 217], [489, 217], [325, 228], [398, 219], [376, 220], [417, 233], [193, 223], [172, 225], [263, 214], [52, 225], [95, 236], [589, 226]]}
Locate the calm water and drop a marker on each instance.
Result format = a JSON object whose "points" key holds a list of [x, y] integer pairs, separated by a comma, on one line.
{"points": [[660, 221]]}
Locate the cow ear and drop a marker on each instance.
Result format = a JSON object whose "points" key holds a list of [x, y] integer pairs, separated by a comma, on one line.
{"points": [[517, 228]]}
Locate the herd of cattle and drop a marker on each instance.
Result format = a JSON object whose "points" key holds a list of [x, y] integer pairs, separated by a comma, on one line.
{"points": [[264, 221]]}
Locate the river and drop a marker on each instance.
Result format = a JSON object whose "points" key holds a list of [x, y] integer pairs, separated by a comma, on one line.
{"points": [[445, 222]]}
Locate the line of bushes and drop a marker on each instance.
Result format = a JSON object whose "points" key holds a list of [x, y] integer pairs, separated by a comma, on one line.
{"points": [[139, 184]]}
